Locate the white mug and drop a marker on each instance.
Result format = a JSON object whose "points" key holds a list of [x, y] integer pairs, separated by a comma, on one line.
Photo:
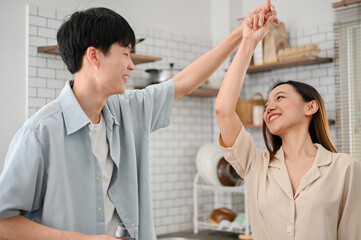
{"points": [[257, 114]]}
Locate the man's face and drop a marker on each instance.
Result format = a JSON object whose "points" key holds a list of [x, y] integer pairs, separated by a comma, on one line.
{"points": [[115, 68]]}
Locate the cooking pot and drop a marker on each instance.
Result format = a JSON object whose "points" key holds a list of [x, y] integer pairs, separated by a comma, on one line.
{"points": [[161, 75], [227, 174]]}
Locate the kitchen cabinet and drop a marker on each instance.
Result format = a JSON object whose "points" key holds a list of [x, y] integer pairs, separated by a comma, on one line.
{"points": [[136, 58]]}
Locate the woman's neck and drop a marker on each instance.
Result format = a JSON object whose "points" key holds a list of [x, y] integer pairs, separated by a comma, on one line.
{"points": [[298, 145]]}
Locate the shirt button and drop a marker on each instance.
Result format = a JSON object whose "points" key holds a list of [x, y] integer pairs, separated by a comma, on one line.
{"points": [[89, 126], [292, 203], [99, 209], [98, 178], [289, 229]]}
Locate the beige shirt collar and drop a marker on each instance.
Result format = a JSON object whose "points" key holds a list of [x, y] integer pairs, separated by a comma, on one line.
{"points": [[278, 171]]}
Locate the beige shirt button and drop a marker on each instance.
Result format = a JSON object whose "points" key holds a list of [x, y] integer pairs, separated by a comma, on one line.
{"points": [[98, 178], [289, 229], [100, 209]]}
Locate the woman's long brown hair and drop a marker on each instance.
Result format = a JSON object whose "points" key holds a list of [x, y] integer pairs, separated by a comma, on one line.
{"points": [[318, 129]]}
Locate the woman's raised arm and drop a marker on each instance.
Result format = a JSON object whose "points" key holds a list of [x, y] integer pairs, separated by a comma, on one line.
{"points": [[255, 27]]}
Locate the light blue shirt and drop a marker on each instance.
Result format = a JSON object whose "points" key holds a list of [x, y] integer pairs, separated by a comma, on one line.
{"points": [[52, 177]]}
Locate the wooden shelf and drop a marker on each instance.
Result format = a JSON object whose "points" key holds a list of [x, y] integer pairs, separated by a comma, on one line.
{"points": [[252, 126], [287, 64], [345, 3], [204, 92], [137, 59], [330, 122], [200, 92]]}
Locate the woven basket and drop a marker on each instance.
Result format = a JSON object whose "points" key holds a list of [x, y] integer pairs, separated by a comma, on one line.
{"points": [[244, 108]]}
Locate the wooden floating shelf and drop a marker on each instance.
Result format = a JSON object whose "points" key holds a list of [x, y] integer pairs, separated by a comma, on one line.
{"points": [[287, 64], [136, 58], [330, 122], [252, 126], [200, 92], [204, 92], [345, 3]]}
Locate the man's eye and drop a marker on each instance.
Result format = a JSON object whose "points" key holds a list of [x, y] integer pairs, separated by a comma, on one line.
{"points": [[279, 97]]}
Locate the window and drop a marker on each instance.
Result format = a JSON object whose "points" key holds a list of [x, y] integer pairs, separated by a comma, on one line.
{"points": [[348, 79]]}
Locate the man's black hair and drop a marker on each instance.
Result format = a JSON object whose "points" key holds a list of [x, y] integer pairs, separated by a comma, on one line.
{"points": [[96, 27]]}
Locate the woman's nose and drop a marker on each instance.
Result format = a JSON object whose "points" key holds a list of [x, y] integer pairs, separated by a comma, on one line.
{"points": [[270, 107]]}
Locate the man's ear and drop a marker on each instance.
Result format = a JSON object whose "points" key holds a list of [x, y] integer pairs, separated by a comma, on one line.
{"points": [[92, 56], [311, 108]]}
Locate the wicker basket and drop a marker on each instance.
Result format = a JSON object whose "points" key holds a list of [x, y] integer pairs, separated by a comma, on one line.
{"points": [[244, 108]]}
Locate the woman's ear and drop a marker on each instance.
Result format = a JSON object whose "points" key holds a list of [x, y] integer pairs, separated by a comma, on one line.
{"points": [[311, 108], [92, 56]]}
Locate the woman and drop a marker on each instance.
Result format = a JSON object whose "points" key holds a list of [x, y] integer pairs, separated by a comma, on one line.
{"points": [[300, 187]]}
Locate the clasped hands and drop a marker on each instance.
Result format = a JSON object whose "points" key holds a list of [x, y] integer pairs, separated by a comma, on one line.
{"points": [[256, 24]]}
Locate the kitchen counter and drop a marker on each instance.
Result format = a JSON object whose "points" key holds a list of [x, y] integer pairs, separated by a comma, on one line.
{"points": [[201, 235]]}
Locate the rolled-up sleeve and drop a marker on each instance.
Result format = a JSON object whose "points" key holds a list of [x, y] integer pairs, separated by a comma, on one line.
{"points": [[158, 104], [242, 154], [151, 107], [21, 182]]}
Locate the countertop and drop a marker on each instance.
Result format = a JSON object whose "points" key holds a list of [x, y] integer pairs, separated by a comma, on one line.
{"points": [[201, 235]]}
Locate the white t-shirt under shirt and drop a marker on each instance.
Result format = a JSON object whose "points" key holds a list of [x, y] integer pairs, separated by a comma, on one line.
{"points": [[101, 151]]}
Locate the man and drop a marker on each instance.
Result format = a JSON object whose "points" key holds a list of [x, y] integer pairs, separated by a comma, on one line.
{"points": [[79, 166]]}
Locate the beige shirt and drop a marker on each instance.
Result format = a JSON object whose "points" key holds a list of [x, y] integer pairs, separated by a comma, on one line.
{"points": [[326, 205]]}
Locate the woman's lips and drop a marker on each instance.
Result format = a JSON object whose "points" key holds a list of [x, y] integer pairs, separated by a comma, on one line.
{"points": [[273, 117]]}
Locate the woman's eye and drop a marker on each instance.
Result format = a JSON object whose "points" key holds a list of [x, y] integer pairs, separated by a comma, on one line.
{"points": [[126, 54]]}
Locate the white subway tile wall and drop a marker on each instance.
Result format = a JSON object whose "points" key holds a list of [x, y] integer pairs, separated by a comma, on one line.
{"points": [[173, 149]]}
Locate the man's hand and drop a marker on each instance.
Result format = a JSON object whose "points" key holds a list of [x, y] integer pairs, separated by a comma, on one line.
{"points": [[79, 236], [99, 237], [20, 227]]}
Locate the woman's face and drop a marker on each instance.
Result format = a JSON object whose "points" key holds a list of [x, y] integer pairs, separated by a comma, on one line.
{"points": [[285, 109]]}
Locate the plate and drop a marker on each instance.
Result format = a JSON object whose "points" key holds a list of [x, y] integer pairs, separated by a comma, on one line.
{"points": [[207, 160]]}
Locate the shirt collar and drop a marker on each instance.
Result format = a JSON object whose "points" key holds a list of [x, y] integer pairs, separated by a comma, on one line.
{"points": [[323, 157], [108, 116], [74, 116]]}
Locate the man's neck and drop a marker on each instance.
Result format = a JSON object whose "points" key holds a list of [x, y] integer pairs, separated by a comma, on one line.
{"points": [[91, 99]]}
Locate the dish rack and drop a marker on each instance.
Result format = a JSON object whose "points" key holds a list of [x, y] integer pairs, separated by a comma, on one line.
{"points": [[207, 198]]}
